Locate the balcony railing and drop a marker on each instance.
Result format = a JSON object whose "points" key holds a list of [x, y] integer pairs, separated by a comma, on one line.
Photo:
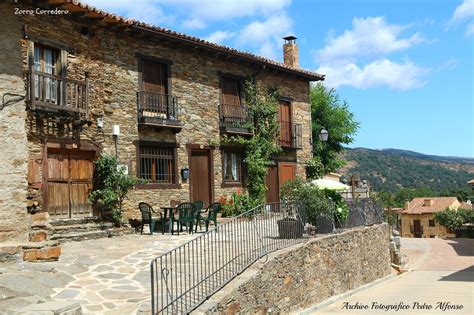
{"points": [[235, 119], [157, 109], [290, 135], [55, 93]]}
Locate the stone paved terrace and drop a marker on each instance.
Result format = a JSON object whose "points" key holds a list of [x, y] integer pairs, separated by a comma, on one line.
{"points": [[112, 275], [107, 276]]}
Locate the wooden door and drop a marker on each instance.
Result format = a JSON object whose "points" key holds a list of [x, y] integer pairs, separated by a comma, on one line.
{"points": [[271, 181], [69, 176], [417, 231], [154, 77], [284, 114], [286, 172], [200, 176]]}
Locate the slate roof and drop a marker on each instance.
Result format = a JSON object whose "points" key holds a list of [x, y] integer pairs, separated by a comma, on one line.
{"points": [[90, 11]]}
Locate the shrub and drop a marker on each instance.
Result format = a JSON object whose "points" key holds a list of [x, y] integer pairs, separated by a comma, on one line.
{"points": [[341, 212], [112, 187], [237, 204], [314, 200]]}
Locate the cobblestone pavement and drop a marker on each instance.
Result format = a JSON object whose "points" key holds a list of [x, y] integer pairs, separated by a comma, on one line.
{"points": [[442, 272], [107, 276]]}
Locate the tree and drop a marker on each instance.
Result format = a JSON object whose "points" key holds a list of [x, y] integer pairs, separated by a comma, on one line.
{"points": [[328, 112], [454, 219]]}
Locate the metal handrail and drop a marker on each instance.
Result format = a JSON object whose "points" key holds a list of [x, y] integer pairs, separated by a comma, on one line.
{"points": [[185, 276], [291, 135], [234, 116], [152, 105]]}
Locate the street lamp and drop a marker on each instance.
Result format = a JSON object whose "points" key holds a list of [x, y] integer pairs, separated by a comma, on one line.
{"points": [[323, 135]]}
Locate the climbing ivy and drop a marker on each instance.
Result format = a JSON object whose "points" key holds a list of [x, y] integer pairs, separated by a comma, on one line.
{"points": [[263, 109]]}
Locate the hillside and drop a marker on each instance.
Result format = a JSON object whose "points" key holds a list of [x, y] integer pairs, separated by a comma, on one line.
{"points": [[392, 169]]}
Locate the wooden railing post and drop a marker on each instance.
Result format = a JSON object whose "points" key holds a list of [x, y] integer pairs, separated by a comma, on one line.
{"points": [[32, 87], [87, 94]]}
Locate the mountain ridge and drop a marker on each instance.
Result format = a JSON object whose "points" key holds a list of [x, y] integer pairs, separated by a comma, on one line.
{"points": [[392, 169]]}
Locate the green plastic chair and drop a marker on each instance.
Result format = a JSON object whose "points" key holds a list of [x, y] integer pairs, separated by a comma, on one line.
{"points": [[212, 212], [147, 211], [186, 216], [198, 205]]}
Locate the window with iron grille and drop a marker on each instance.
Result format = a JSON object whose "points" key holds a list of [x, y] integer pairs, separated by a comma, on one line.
{"points": [[232, 166], [157, 164], [431, 223]]}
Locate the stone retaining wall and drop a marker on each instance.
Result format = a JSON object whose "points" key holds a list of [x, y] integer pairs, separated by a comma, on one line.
{"points": [[310, 273]]}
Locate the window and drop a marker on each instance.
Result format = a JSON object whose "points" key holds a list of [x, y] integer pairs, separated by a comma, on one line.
{"points": [[230, 92], [431, 223], [157, 164], [45, 61], [232, 166]]}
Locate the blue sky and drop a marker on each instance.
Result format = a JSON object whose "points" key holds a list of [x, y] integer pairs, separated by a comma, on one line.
{"points": [[404, 66]]}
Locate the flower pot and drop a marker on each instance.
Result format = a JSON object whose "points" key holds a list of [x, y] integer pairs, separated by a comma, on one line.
{"points": [[290, 228], [311, 230]]}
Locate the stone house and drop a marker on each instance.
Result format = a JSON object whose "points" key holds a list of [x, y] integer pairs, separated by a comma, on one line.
{"points": [[417, 217], [77, 82]]}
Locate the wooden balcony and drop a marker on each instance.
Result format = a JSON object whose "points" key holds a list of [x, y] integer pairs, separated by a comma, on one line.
{"points": [[235, 119], [290, 135], [58, 94], [158, 110]]}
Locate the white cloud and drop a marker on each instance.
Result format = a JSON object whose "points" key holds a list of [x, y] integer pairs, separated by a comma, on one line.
{"points": [[358, 57], [266, 36], [194, 23], [143, 10], [213, 10], [382, 72], [470, 29], [464, 11], [371, 36], [219, 36]]}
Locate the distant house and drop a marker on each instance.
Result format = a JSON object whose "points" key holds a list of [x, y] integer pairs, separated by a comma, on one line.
{"points": [[417, 217]]}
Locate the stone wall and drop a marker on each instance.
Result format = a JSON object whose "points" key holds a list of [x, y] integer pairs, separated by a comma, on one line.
{"points": [[13, 156], [310, 273], [110, 59], [428, 231]]}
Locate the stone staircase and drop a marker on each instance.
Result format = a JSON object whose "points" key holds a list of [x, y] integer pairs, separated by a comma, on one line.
{"points": [[64, 230]]}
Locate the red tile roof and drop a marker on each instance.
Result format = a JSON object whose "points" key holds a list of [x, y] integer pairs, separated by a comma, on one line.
{"points": [[417, 205], [77, 6], [465, 205]]}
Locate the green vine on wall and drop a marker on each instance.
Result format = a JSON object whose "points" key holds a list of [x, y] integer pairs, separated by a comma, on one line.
{"points": [[263, 109]]}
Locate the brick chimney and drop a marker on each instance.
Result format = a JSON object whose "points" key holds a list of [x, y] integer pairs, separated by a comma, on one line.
{"points": [[407, 205], [290, 52]]}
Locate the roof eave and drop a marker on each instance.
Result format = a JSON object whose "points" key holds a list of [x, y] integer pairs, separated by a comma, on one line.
{"points": [[308, 76]]}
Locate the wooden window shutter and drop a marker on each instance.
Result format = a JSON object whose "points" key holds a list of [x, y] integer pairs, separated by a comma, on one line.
{"points": [[34, 170], [154, 77], [230, 92]]}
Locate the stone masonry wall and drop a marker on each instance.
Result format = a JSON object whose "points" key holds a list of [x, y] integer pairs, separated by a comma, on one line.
{"points": [[311, 273], [110, 59], [435, 231], [13, 154]]}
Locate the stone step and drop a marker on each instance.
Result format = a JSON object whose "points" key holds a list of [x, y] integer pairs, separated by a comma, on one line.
{"points": [[73, 221], [79, 228], [88, 235], [80, 236]]}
